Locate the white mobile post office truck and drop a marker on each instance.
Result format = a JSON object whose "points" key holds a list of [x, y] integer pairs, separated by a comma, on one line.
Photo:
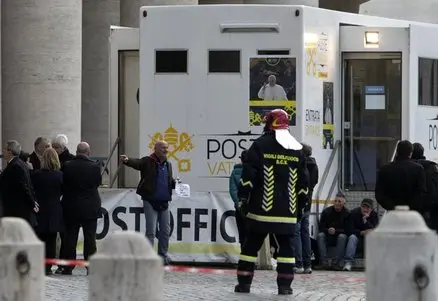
{"points": [[354, 85]]}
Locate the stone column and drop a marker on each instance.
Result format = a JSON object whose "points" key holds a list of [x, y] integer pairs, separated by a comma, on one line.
{"points": [[130, 9], [97, 18], [350, 6], [41, 73]]}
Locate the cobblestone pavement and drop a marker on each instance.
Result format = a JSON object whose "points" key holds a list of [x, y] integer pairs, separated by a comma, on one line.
{"points": [[320, 286]]}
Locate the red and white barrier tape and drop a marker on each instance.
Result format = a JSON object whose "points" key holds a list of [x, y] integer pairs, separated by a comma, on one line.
{"points": [[62, 262], [186, 269], [199, 270], [82, 263]]}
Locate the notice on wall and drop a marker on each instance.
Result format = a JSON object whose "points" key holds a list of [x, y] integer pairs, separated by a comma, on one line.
{"points": [[322, 56], [328, 128], [375, 98]]}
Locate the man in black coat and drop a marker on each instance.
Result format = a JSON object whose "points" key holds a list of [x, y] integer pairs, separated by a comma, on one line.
{"points": [[40, 146], [81, 203], [430, 213], [402, 182], [59, 143], [16, 187]]}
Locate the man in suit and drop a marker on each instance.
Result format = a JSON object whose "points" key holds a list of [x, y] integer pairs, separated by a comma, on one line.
{"points": [[59, 143], [81, 203], [16, 188], [40, 146]]}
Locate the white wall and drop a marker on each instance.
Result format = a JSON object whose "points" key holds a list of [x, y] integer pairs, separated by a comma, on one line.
{"points": [[424, 43], [201, 104]]}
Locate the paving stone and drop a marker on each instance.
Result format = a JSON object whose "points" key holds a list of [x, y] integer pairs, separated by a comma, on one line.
{"points": [[319, 286]]}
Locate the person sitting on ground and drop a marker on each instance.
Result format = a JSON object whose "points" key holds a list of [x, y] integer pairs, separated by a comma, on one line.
{"points": [[332, 231], [361, 221]]}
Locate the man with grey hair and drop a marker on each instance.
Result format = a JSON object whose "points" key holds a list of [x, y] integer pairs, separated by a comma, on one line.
{"points": [[81, 203], [40, 146], [16, 189], [59, 143]]}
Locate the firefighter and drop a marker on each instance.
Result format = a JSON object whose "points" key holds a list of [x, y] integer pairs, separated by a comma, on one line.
{"points": [[272, 194]]}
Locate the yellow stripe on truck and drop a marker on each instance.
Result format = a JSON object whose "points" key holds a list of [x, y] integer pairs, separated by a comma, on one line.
{"points": [[192, 248]]}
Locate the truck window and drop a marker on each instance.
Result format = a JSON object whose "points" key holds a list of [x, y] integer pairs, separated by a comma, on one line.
{"points": [[427, 82], [224, 61], [273, 52], [171, 61]]}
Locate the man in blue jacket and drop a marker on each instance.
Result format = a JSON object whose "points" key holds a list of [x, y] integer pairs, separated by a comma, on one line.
{"points": [[361, 221], [234, 183]]}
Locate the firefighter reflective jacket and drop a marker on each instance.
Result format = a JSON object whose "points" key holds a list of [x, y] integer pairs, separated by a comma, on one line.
{"points": [[274, 184]]}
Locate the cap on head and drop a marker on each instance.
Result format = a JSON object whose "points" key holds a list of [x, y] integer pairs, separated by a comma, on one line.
{"points": [[277, 119], [367, 202]]}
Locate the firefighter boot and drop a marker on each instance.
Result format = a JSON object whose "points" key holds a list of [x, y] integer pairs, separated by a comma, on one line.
{"points": [[285, 290], [245, 273], [284, 284], [244, 282], [242, 288]]}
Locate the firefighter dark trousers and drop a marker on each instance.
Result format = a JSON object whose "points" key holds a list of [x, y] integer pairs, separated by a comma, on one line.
{"points": [[248, 258]]}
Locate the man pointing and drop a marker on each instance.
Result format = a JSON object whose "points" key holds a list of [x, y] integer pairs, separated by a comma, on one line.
{"points": [[155, 189]]}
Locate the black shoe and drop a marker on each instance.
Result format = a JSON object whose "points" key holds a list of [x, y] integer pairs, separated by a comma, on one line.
{"points": [[242, 288], [49, 272], [67, 272], [322, 267], [284, 290], [59, 271], [166, 259]]}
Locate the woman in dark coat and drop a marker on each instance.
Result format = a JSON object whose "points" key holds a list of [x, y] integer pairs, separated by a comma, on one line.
{"points": [[47, 183]]}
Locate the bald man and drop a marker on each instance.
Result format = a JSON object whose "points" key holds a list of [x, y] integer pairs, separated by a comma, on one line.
{"points": [[155, 189], [81, 203]]}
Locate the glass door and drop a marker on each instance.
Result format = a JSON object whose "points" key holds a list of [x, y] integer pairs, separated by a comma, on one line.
{"points": [[372, 116]]}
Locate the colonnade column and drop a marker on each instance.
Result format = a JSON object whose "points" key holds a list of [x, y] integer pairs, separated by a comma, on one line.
{"points": [[41, 73], [97, 18]]}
